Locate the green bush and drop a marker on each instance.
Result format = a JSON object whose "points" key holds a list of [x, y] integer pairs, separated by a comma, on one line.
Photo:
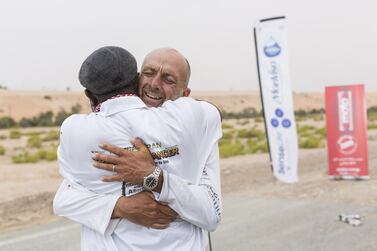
{"points": [[49, 155], [14, 134], [224, 141], [256, 146], [34, 141], [228, 134], [226, 126], [251, 133], [25, 157], [249, 112], [231, 149], [311, 142], [7, 122], [321, 132], [52, 155], [306, 130], [372, 126], [372, 116], [258, 119], [2, 150], [52, 136], [243, 122]]}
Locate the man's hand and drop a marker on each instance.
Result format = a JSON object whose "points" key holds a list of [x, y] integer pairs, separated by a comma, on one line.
{"points": [[144, 210], [130, 166]]}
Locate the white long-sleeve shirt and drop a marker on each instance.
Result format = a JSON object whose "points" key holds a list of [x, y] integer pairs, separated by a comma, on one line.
{"points": [[190, 127]]}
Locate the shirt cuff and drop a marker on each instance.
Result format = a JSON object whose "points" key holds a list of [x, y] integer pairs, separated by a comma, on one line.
{"points": [[110, 224], [163, 195]]}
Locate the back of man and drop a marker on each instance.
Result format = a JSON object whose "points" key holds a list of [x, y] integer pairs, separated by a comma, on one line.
{"points": [[179, 133]]}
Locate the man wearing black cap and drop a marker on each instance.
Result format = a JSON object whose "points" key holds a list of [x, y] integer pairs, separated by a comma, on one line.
{"points": [[119, 116]]}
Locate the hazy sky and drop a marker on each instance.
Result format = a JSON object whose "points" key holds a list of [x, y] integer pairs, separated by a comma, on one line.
{"points": [[44, 42]]}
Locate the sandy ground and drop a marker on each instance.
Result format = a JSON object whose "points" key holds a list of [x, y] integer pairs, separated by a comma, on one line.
{"points": [[18, 104], [27, 189]]}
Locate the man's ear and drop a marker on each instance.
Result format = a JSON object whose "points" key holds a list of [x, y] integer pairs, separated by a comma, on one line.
{"points": [[186, 92], [92, 98]]}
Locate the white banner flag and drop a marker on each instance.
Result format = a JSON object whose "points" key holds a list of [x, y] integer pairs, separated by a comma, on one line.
{"points": [[276, 93]]}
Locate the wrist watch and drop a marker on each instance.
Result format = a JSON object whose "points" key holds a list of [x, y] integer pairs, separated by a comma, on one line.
{"points": [[151, 181]]}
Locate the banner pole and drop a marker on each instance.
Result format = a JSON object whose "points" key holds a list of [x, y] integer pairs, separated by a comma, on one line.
{"points": [[210, 242], [261, 97]]}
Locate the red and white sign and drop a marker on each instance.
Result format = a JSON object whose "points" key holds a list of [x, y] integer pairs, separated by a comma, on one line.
{"points": [[346, 123]]}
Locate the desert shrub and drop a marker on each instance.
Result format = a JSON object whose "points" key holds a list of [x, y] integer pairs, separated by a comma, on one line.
{"points": [[76, 109], [301, 113], [226, 126], [372, 109], [243, 122], [258, 119], [45, 119], [372, 126], [2, 150], [311, 142], [229, 134], [60, 117], [306, 130], [52, 135], [52, 155], [49, 154], [14, 134], [3, 137], [372, 116], [25, 157], [7, 122], [231, 149], [249, 112], [251, 133], [34, 141], [317, 117], [322, 132], [25, 122], [256, 146]]}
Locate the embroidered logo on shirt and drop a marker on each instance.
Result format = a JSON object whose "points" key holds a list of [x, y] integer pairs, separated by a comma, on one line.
{"points": [[158, 151]]}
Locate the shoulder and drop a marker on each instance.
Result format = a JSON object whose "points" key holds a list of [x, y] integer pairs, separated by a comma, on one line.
{"points": [[211, 110], [73, 120]]}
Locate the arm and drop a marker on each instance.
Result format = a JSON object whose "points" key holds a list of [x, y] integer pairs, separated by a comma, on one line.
{"points": [[199, 204], [95, 211], [76, 203]]}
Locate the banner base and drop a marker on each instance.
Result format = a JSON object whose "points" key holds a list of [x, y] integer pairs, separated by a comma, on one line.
{"points": [[335, 177]]}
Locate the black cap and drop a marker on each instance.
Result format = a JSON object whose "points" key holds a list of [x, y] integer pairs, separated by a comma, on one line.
{"points": [[108, 70]]}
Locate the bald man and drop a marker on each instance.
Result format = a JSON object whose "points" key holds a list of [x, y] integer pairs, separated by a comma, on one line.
{"points": [[164, 76]]}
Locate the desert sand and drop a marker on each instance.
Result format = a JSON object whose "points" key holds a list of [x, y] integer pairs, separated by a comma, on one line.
{"points": [[18, 104]]}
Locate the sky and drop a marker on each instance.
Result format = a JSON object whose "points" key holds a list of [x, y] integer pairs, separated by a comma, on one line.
{"points": [[331, 42]]}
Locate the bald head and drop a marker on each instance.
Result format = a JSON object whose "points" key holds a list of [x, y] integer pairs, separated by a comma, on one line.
{"points": [[165, 74]]}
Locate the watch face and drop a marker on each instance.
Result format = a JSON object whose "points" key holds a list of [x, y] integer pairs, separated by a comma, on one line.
{"points": [[151, 182]]}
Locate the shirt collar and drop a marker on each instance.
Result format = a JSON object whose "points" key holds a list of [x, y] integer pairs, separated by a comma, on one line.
{"points": [[120, 104]]}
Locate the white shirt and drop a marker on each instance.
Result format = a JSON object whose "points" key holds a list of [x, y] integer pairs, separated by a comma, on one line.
{"points": [[190, 127]]}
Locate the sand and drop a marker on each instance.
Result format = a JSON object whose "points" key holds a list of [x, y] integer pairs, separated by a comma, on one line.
{"points": [[18, 104]]}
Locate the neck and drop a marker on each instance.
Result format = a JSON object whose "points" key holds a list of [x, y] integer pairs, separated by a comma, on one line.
{"points": [[98, 107]]}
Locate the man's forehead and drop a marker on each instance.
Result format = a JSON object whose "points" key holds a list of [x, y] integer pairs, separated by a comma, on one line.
{"points": [[165, 63]]}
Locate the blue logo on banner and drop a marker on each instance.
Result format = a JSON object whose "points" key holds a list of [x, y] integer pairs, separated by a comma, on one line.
{"points": [[286, 123], [279, 113], [274, 122], [272, 48]]}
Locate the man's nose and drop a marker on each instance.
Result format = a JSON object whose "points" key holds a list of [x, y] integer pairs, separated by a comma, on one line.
{"points": [[156, 81]]}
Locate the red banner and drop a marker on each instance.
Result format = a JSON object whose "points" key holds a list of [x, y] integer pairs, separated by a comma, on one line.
{"points": [[346, 123]]}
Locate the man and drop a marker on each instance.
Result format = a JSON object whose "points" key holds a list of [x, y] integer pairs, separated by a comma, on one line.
{"points": [[183, 203]]}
